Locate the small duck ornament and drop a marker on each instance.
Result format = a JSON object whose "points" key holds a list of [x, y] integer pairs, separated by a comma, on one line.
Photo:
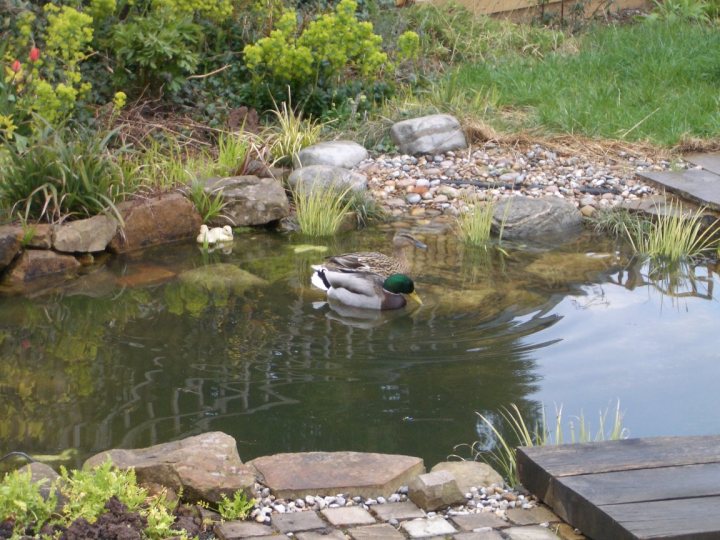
{"points": [[215, 235]]}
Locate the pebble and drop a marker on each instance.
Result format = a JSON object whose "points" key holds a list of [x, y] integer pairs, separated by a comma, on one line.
{"points": [[440, 183]]}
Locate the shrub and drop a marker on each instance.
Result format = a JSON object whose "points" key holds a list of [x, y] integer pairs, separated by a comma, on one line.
{"points": [[236, 508], [319, 62]]}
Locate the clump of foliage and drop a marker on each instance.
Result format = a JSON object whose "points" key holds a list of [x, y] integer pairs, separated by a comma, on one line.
{"points": [[22, 503], [209, 205], [64, 174], [681, 10], [291, 134], [85, 494], [474, 223], [317, 62], [236, 508]]}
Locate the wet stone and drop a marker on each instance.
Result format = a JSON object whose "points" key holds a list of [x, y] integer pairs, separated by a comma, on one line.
{"points": [[424, 527], [471, 522], [530, 533], [531, 516], [352, 515], [376, 532], [235, 530], [399, 511], [297, 521]]}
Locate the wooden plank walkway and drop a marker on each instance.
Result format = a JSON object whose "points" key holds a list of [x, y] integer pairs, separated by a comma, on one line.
{"points": [[656, 488]]}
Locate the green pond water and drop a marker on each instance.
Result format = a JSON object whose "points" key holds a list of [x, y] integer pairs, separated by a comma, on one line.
{"points": [[170, 342]]}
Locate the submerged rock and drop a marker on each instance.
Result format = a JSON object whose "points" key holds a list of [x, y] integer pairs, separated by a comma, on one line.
{"points": [[35, 264], [549, 219], [221, 277]]}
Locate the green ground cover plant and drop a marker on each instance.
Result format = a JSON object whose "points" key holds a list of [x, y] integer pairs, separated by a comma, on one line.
{"points": [[654, 82]]}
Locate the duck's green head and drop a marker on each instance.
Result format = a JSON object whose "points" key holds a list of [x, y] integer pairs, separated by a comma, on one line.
{"points": [[401, 284]]}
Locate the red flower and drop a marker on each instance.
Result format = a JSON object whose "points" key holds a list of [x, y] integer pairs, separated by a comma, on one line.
{"points": [[34, 54], [16, 66]]}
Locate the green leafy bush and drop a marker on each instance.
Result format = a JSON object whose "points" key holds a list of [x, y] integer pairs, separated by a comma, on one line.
{"points": [[236, 508], [334, 49]]}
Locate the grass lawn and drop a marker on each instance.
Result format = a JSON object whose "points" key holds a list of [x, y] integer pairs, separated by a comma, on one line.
{"points": [[653, 81]]}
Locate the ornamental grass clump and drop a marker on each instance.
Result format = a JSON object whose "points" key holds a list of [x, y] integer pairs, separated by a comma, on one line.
{"points": [[320, 210], [520, 432], [291, 134], [474, 222], [675, 234]]}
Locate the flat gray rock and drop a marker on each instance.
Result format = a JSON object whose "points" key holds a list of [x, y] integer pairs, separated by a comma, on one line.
{"points": [[434, 526], [85, 235], [709, 161], [530, 533], [249, 200], [344, 154], [435, 490], [381, 531], [329, 473], [326, 176], [297, 521], [432, 134], [548, 219], [348, 515], [237, 530], [400, 511], [470, 474], [700, 186]]}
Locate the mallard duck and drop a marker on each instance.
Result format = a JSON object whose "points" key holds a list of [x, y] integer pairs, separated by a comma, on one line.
{"points": [[377, 263], [215, 235], [364, 289]]}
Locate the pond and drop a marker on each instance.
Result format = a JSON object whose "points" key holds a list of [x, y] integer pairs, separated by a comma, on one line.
{"points": [[154, 346]]}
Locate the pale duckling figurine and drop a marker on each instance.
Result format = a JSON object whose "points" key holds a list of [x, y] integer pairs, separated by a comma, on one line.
{"points": [[377, 263], [365, 290], [215, 235]]}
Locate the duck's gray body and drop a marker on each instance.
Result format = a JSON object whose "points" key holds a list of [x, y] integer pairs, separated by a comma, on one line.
{"points": [[357, 289]]}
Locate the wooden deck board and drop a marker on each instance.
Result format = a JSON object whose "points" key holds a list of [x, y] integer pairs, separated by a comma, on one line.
{"points": [[664, 488]]}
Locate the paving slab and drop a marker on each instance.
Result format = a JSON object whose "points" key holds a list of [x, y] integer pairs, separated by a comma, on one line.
{"points": [[348, 515], [469, 474], [530, 533], [532, 516], [235, 530], [699, 186], [382, 531], [331, 535], [365, 474], [707, 160], [400, 511], [471, 522], [424, 527], [479, 535], [297, 521]]}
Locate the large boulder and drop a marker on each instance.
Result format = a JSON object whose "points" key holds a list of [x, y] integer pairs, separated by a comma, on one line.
{"points": [[205, 467], [325, 176], [158, 220], [34, 264], [221, 277], [85, 235], [40, 236], [344, 154], [435, 490], [249, 200], [469, 474], [10, 244], [432, 134], [548, 219]]}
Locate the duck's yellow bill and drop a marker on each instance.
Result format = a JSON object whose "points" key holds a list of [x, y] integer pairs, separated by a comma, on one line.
{"points": [[415, 297]]}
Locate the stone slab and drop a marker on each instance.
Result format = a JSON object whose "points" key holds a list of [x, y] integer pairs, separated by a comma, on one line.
{"points": [[399, 511], [295, 475], [531, 516], [348, 515], [470, 522], [530, 533], [469, 474], [235, 530], [381, 531], [479, 535], [425, 527], [297, 522], [699, 186], [331, 535], [707, 160]]}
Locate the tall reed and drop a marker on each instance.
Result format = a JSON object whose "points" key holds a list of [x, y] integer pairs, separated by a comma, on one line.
{"points": [[474, 223], [320, 210]]}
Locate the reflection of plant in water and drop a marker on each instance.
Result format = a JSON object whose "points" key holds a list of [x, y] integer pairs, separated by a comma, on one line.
{"points": [[677, 279], [482, 264]]}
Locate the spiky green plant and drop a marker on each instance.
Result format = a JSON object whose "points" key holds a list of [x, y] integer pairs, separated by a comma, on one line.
{"points": [[233, 154], [504, 456], [474, 222], [675, 234], [320, 210], [209, 205], [291, 134]]}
